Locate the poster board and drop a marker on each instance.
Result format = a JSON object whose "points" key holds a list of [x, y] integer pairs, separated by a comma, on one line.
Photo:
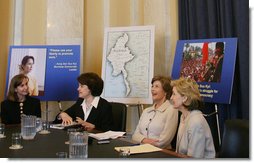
{"points": [[128, 64], [211, 63], [55, 69]]}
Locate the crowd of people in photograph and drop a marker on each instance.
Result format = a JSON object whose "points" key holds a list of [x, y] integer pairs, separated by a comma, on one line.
{"points": [[192, 67]]}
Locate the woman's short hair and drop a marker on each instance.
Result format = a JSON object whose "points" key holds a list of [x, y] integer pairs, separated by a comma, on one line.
{"points": [[25, 60], [165, 82], [189, 88], [15, 82], [93, 82]]}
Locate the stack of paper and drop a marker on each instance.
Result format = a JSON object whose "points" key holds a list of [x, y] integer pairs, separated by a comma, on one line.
{"points": [[62, 126], [107, 135], [143, 148]]}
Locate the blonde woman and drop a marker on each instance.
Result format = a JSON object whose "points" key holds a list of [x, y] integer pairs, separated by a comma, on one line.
{"points": [[194, 136]]}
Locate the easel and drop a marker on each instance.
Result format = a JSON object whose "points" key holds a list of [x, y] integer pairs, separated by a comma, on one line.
{"points": [[140, 109], [139, 106], [60, 106], [47, 125], [217, 121]]}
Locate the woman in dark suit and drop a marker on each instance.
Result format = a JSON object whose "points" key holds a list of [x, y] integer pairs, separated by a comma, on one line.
{"points": [[18, 101], [90, 110]]}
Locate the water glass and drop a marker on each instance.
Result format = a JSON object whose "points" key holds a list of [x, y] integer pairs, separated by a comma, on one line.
{"points": [[124, 152], [78, 147], [38, 124], [28, 127], [70, 130], [16, 141], [61, 155], [45, 127], [2, 130]]}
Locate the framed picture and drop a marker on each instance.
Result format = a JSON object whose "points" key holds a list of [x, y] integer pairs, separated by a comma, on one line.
{"points": [[51, 69], [128, 64], [211, 63]]}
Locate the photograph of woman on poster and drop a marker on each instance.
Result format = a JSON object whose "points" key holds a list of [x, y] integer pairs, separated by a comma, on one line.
{"points": [[25, 68], [32, 63]]}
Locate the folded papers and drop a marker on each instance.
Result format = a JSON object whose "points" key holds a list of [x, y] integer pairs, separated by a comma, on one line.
{"points": [[107, 135], [62, 126], [143, 148]]}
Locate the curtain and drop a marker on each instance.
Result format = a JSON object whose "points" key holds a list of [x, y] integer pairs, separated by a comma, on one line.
{"points": [[202, 19]]}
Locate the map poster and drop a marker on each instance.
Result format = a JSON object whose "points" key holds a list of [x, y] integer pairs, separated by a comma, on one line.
{"points": [[211, 63], [53, 70], [128, 64]]}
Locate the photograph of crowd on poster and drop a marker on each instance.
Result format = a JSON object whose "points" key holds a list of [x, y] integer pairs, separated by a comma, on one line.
{"points": [[211, 63], [203, 61]]}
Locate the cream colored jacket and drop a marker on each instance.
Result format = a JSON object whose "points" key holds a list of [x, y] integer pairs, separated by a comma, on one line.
{"points": [[194, 137], [160, 124]]}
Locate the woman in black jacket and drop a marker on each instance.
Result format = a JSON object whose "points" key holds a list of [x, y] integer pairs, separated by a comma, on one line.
{"points": [[90, 110], [19, 102]]}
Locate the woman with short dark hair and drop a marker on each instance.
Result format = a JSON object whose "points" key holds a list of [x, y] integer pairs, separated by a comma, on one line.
{"points": [[90, 110]]}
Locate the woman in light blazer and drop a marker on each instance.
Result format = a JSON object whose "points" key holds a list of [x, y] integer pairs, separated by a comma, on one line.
{"points": [[194, 136], [158, 123]]}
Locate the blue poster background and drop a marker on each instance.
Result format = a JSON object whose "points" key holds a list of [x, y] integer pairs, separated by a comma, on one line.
{"points": [[214, 92], [62, 67]]}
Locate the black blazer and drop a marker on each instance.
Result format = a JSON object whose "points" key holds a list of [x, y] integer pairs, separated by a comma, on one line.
{"points": [[101, 117], [10, 110]]}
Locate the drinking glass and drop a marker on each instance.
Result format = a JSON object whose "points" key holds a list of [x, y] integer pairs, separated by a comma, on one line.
{"points": [[28, 127], [38, 124], [78, 147], [61, 155], [16, 141], [124, 152], [45, 127], [70, 130], [2, 130]]}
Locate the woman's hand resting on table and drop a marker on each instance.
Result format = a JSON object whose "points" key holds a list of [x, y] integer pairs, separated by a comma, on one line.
{"points": [[149, 141], [88, 126], [66, 119]]}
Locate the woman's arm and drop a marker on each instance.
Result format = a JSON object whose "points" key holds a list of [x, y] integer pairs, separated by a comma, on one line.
{"points": [[169, 129]]}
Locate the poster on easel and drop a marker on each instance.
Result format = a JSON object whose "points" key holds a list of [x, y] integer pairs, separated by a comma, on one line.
{"points": [[211, 63], [52, 70], [128, 64]]}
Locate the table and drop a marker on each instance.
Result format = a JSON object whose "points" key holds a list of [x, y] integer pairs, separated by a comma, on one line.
{"points": [[46, 146]]}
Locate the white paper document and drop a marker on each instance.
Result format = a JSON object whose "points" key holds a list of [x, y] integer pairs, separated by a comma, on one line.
{"points": [[143, 148], [107, 135], [62, 126]]}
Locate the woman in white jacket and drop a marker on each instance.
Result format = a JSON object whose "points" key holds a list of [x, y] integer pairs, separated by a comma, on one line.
{"points": [[194, 136], [158, 123]]}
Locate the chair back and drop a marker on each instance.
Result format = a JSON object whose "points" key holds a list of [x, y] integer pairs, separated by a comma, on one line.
{"points": [[173, 142], [119, 114], [235, 141]]}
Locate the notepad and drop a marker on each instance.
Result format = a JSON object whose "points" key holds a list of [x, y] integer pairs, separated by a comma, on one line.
{"points": [[143, 148]]}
